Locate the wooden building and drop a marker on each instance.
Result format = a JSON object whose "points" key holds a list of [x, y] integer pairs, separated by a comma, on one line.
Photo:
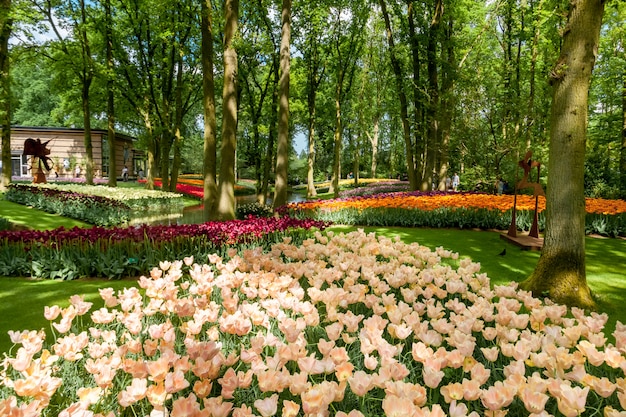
{"points": [[67, 152]]}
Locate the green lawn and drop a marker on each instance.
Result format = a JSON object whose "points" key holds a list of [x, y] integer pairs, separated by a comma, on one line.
{"points": [[23, 300], [27, 217]]}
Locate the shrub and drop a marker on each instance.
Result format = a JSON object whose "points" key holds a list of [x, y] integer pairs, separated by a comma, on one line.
{"points": [[255, 209]]}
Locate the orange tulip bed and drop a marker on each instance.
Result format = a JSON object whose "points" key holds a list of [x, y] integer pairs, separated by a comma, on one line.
{"points": [[439, 209]]}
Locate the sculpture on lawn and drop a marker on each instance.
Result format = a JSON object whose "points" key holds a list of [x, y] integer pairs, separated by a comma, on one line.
{"points": [[37, 149], [527, 164]]}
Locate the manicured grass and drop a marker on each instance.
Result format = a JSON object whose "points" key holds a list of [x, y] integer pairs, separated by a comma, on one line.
{"points": [[27, 217], [23, 301]]}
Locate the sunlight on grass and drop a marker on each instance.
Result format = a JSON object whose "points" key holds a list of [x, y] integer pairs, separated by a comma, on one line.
{"points": [[35, 219], [23, 301]]}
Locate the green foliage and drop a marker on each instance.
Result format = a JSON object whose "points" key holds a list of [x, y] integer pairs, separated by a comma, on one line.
{"points": [[98, 205], [4, 224], [461, 218], [95, 210], [255, 209]]}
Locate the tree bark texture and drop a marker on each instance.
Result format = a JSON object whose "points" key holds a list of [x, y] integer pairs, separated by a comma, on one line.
{"points": [[208, 104], [432, 109], [268, 161], [5, 91], [226, 190], [560, 272], [334, 183], [623, 150], [86, 79], [282, 152]]}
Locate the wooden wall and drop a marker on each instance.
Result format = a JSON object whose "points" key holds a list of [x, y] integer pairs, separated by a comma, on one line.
{"points": [[67, 148]]}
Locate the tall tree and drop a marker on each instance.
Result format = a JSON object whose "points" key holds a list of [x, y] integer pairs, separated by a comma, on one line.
{"points": [[6, 23], [226, 190], [258, 60], [282, 153], [154, 41], [208, 104], [312, 25], [623, 147], [432, 108], [347, 40], [73, 54], [110, 66], [560, 272], [403, 102]]}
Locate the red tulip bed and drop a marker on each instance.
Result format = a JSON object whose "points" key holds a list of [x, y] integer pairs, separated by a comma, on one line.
{"points": [[118, 252]]}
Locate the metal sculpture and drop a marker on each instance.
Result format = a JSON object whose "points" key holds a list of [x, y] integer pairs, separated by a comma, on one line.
{"points": [[38, 149], [527, 164]]}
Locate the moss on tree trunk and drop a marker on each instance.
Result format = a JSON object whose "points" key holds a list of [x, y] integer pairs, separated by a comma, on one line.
{"points": [[561, 277], [560, 272]]}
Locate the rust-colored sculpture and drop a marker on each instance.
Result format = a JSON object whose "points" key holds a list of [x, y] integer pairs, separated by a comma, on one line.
{"points": [[37, 149], [527, 164]]}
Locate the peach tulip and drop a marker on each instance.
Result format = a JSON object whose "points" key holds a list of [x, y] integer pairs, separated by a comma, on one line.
{"points": [[268, 406]]}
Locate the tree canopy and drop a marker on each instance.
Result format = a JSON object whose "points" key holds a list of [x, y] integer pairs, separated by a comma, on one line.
{"points": [[474, 76]]}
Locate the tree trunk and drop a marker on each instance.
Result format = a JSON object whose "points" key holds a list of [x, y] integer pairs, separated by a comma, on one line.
{"points": [[150, 150], [432, 110], [86, 79], [560, 272], [334, 182], [210, 124], [87, 135], [282, 152], [404, 113], [374, 142], [268, 161], [418, 113], [226, 190], [110, 96], [165, 141], [623, 150], [178, 123], [5, 92], [310, 177], [311, 98], [447, 107]]}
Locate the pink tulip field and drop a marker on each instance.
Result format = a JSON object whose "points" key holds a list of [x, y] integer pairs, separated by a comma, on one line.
{"points": [[340, 325]]}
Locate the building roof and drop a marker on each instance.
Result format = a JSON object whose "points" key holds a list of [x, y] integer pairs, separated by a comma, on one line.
{"points": [[69, 130]]}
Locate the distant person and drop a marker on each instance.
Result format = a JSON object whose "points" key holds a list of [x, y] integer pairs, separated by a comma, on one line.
{"points": [[448, 183], [140, 174], [499, 186], [125, 173], [456, 181], [77, 171]]}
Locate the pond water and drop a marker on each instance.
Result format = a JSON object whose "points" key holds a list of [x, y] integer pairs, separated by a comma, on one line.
{"points": [[194, 214]]}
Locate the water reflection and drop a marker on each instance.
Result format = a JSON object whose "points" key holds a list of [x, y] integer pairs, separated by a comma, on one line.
{"points": [[195, 214]]}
